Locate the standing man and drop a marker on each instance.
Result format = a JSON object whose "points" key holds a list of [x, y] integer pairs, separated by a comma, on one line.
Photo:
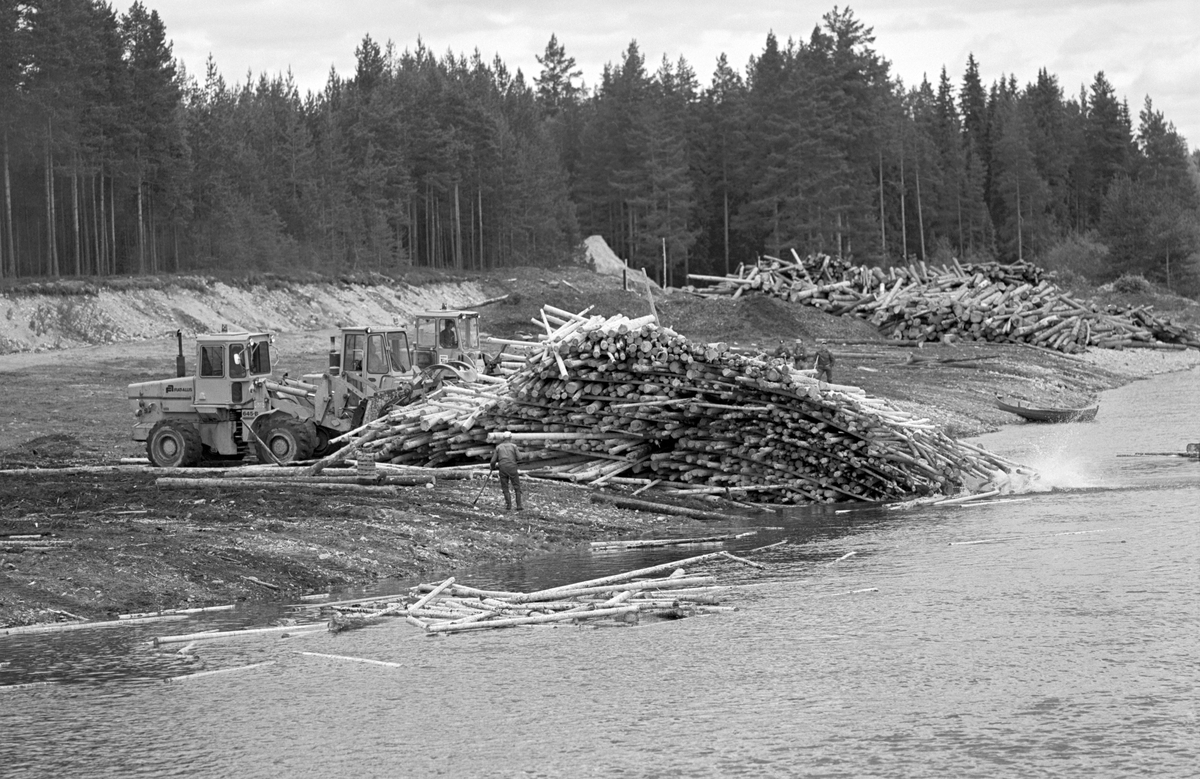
{"points": [[799, 355], [781, 351], [824, 363], [505, 458]]}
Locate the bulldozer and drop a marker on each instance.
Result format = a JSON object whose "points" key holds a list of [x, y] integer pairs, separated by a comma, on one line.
{"points": [[233, 405]]}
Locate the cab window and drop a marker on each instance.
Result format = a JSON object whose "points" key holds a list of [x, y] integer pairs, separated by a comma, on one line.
{"points": [[470, 333], [376, 362], [212, 361], [398, 347], [237, 361], [447, 334], [353, 353], [426, 333]]}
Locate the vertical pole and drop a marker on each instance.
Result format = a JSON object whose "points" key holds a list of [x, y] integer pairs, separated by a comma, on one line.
{"points": [[664, 275], [1020, 242], [882, 227]]}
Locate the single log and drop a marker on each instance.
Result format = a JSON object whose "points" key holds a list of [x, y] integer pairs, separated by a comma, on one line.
{"points": [[431, 595], [234, 633], [659, 508], [174, 483], [201, 674], [367, 660], [638, 544], [59, 627]]}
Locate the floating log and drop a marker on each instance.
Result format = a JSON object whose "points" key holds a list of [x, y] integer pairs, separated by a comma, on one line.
{"points": [[171, 612], [233, 633], [202, 674], [650, 542], [58, 627], [367, 660]]}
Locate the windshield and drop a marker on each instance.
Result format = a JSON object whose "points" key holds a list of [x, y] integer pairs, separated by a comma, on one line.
{"points": [[398, 346], [426, 333], [260, 357], [376, 362], [470, 328], [447, 334]]}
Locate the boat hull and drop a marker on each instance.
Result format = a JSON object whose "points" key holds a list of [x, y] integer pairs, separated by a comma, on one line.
{"points": [[1043, 414]]}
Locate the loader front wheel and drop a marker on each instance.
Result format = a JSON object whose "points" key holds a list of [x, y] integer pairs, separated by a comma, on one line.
{"points": [[173, 444], [322, 446], [285, 441]]}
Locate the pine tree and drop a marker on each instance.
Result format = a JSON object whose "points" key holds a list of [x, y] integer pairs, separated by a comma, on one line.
{"points": [[11, 66], [1019, 193], [556, 90], [1151, 219], [721, 151], [153, 135], [1108, 144]]}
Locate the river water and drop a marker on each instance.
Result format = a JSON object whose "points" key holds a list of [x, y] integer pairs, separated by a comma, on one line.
{"points": [[1050, 634]]}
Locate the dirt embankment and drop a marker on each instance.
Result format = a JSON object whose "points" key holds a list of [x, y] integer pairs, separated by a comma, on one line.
{"points": [[119, 544], [41, 321]]}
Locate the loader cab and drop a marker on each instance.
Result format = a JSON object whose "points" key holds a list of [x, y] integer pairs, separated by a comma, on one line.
{"points": [[226, 366], [448, 342], [377, 357]]}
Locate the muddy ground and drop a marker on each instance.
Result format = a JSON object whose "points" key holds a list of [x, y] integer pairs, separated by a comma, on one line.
{"points": [[115, 543]]}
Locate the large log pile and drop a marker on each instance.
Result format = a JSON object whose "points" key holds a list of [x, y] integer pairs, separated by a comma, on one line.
{"points": [[984, 302], [599, 400]]}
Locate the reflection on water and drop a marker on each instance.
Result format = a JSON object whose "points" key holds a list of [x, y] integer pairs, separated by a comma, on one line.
{"points": [[1054, 634]]}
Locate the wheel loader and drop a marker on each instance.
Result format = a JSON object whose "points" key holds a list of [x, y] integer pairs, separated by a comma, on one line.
{"points": [[447, 344], [233, 405]]}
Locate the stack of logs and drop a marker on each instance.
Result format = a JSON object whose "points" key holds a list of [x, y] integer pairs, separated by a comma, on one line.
{"points": [[599, 400], [986, 302]]}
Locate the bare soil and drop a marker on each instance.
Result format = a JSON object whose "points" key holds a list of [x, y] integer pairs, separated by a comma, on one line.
{"points": [[118, 544]]}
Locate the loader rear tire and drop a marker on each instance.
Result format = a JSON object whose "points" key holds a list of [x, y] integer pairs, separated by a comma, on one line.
{"points": [[285, 441], [174, 444]]}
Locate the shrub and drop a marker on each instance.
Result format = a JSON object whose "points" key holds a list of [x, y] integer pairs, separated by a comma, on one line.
{"points": [[1077, 255], [1132, 284]]}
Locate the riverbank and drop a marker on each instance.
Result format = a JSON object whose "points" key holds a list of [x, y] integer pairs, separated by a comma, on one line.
{"points": [[116, 543]]}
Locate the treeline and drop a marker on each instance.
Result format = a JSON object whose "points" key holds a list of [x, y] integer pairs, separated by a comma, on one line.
{"points": [[115, 161]]}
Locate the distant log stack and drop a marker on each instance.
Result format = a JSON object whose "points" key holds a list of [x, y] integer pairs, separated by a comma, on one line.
{"points": [[985, 302], [598, 399]]}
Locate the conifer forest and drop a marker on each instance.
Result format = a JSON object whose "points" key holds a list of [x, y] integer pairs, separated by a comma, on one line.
{"points": [[114, 160]]}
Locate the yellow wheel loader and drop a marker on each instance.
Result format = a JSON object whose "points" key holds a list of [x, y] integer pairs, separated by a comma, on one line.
{"points": [[447, 344], [232, 404]]}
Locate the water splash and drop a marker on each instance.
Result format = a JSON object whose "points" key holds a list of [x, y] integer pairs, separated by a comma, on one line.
{"points": [[1062, 458], [1065, 470]]}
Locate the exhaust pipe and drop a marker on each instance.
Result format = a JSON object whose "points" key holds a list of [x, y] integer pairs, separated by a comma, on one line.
{"points": [[180, 364]]}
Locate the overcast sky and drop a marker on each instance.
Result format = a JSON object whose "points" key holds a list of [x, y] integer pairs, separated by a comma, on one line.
{"points": [[1145, 47]]}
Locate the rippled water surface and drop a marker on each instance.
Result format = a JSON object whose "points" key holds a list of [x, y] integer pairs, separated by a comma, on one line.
{"points": [[1055, 634]]}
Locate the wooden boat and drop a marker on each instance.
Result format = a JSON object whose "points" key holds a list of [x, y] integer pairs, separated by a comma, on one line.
{"points": [[1045, 414]]}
